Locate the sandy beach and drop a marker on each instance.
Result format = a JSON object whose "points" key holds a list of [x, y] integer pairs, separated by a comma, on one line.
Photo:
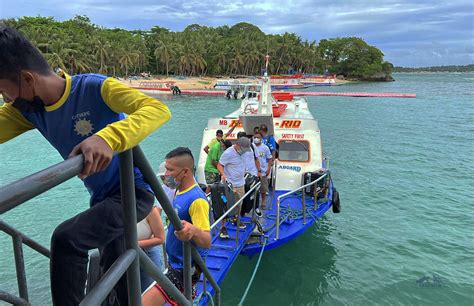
{"points": [[188, 82]]}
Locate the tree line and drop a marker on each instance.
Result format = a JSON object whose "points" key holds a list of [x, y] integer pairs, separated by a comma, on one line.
{"points": [[451, 68], [79, 46]]}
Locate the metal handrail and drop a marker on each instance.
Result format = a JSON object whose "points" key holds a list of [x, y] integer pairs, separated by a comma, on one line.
{"points": [[235, 205], [280, 197], [20, 191]]}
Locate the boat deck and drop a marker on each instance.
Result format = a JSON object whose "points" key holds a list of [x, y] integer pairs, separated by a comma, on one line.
{"points": [[224, 252]]}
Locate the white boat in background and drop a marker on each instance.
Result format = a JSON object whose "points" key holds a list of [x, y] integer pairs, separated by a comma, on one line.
{"points": [[319, 80]]}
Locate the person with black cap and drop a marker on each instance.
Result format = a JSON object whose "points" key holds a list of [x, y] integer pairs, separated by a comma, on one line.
{"points": [[232, 169]]}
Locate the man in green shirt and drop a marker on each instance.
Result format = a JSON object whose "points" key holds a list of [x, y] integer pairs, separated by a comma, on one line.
{"points": [[210, 169], [220, 137]]}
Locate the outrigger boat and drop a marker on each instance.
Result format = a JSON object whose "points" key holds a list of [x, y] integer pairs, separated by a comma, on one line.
{"points": [[301, 186]]}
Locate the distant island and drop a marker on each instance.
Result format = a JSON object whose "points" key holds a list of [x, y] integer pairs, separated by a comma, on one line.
{"points": [[452, 68], [79, 46]]}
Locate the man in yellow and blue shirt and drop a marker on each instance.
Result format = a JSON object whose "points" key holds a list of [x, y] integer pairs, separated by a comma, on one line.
{"points": [[82, 114], [192, 207]]}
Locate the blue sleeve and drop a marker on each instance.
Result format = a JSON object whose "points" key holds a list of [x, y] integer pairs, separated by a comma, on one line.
{"points": [[272, 144]]}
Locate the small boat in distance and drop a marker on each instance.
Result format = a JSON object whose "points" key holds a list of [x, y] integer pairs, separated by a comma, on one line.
{"points": [[319, 80]]}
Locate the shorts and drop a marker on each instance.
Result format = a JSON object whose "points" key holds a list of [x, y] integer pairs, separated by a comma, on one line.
{"points": [[176, 277], [239, 192], [211, 177], [264, 184]]}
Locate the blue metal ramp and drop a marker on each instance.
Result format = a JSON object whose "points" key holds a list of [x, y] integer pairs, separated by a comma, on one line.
{"points": [[222, 255]]}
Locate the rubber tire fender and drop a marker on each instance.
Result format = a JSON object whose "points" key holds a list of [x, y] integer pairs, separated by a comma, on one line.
{"points": [[336, 203]]}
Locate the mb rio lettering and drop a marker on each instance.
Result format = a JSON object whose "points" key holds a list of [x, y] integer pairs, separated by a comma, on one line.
{"points": [[292, 168]]}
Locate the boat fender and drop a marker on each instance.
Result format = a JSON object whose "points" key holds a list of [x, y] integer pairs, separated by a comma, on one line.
{"points": [[336, 203]]}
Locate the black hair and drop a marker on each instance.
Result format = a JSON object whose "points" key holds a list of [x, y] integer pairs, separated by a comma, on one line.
{"points": [[256, 129], [258, 132], [178, 152], [241, 134], [18, 54], [219, 132], [227, 144], [264, 127]]}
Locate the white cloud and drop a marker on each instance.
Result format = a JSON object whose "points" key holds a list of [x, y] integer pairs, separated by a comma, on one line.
{"points": [[403, 29]]}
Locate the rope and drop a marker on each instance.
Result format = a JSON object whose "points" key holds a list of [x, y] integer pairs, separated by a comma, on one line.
{"points": [[199, 297], [253, 274]]}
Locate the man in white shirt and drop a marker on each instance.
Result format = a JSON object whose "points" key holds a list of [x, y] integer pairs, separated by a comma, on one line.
{"points": [[265, 159], [231, 167]]}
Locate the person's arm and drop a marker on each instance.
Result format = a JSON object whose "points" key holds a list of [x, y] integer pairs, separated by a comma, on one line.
{"points": [[257, 164], [146, 114], [157, 228], [12, 123], [199, 229], [223, 161], [220, 168], [270, 159], [231, 129], [274, 148], [206, 149]]}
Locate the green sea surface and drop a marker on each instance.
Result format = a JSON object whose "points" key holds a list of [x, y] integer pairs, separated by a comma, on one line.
{"points": [[404, 170]]}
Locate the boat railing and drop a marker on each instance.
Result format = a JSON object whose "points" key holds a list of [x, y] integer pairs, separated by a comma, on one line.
{"points": [[22, 190], [253, 190], [303, 201]]}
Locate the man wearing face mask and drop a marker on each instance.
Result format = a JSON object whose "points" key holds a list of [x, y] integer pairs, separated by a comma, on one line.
{"points": [[192, 207], [82, 114], [231, 167], [266, 161]]}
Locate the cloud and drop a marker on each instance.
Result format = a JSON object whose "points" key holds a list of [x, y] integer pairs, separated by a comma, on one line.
{"points": [[409, 32]]}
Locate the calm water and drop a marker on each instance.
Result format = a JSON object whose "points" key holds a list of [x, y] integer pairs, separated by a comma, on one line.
{"points": [[403, 167]]}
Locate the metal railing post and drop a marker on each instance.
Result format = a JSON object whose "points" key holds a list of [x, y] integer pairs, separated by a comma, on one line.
{"points": [[10, 298], [150, 267], [315, 197], [20, 266], [127, 188], [255, 195], [303, 202], [107, 282], [188, 286], [278, 220]]}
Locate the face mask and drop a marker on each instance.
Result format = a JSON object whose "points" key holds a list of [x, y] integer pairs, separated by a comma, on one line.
{"points": [[171, 181], [257, 141], [27, 106]]}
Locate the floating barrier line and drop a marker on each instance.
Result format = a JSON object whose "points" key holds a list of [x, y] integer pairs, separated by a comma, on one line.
{"points": [[199, 92]]}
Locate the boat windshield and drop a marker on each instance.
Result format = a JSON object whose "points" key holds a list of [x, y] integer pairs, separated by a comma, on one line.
{"points": [[293, 150]]}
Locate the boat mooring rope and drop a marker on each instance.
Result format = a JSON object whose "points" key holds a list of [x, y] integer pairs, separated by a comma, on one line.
{"points": [[199, 297], [253, 274]]}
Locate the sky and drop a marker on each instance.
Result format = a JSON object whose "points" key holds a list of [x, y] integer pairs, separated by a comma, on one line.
{"points": [[411, 33]]}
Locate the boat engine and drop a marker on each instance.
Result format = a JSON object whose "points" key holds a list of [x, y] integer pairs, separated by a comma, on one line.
{"points": [[322, 185]]}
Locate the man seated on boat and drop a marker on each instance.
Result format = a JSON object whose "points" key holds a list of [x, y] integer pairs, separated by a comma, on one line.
{"points": [[211, 173], [79, 115], [193, 210], [219, 137], [231, 167], [265, 159]]}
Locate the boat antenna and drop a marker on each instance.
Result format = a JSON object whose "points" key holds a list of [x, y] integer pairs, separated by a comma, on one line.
{"points": [[267, 58]]}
